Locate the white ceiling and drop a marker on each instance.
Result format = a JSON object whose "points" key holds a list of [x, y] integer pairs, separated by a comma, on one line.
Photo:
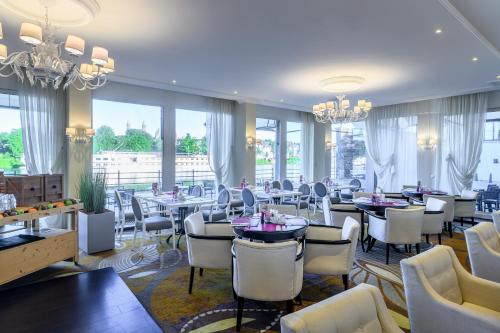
{"points": [[281, 49]]}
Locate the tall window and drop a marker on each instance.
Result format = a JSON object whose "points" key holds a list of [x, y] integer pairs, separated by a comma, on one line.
{"points": [[348, 152], [293, 150], [265, 150], [191, 151], [11, 139], [488, 170], [128, 143]]}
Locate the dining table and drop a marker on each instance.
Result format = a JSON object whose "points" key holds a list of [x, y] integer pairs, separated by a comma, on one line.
{"points": [[167, 201], [274, 195], [419, 195], [251, 227]]}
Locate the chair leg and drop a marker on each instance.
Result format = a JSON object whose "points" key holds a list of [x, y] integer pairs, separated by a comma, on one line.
{"points": [[191, 279], [406, 248], [289, 306], [135, 236], [387, 253], [450, 229], [409, 248], [473, 221], [368, 242], [439, 239], [417, 246], [427, 238], [201, 271], [298, 299], [239, 313], [345, 280]]}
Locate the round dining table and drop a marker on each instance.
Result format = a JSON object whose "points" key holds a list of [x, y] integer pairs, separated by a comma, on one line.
{"points": [[250, 227], [379, 206], [419, 195]]}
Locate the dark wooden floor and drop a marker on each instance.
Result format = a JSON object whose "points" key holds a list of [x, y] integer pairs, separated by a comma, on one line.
{"points": [[97, 301]]}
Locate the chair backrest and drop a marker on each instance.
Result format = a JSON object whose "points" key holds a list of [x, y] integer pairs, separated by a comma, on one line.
{"points": [[320, 190], [137, 208], [468, 194], [437, 267], [360, 309], [496, 219], [287, 185], [284, 209], [449, 210], [404, 226], [341, 211], [435, 205], [487, 233], [356, 184], [305, 190], [276, 184], [281, 280], [119, 200], [248, 197], [220, 188], [223, 199], [195, 224], [197, 191], [356, 195], [326, 205]]}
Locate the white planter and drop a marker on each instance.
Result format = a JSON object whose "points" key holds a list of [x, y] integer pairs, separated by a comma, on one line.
{"points": [[96, 232]]}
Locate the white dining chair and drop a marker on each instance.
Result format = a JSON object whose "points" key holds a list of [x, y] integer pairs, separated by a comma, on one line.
{"points": [[483, 246], [433, 218], [208, 245]]}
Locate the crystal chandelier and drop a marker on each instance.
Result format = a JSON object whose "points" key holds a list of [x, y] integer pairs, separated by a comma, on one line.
{"points": [[44, 63], [339, 111]]}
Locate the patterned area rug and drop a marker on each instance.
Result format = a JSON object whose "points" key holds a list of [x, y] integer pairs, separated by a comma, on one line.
{"points": [[159, 275]]}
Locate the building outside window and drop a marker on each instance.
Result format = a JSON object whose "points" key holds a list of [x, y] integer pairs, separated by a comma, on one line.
{"points": [[488, 170], [266, 132], [128, 143], [11, 139], [191, 151], [348, 152]]}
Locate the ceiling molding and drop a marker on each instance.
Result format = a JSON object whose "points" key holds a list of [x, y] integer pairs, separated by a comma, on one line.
{"points": [[204, 92], [467, 25]]}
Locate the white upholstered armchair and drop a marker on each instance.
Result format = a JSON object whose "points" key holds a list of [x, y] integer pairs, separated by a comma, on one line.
{"points": [[433, 218], [267, 272], [330, 250], [465, 206], [449, 209], [496, 219], [483, 245], [208, 244], [398, 226], [441, 296], [360, 309]]}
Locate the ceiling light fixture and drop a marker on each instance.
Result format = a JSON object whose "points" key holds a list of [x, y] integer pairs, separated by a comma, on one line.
{"points": [[339, 111], [174, 82], [498, 76], [342, 84], [475, 59], [438, 31], [235, 92], [44, 63], [282, 100]]}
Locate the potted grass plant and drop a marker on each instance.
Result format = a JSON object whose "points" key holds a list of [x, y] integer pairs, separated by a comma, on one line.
{"points": [[96, 223]]}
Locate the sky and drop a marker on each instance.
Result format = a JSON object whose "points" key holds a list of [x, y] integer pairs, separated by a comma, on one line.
{"points": [[9, 119]]}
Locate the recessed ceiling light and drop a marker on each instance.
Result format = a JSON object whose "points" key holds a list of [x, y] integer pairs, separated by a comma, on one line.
{"points": [[235, 92], [282, 100], [498, 77], [342, 84], [438, 31], [475, 59], [174, 82]]}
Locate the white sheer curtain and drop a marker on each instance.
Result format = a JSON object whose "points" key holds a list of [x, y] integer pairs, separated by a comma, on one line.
{"points": [[391, 136], [220, 137], [307, 140], [43, 121], [461, 137]]}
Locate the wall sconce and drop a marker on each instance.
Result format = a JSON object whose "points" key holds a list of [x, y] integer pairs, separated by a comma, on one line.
{"points": [[427, 143], [329, 145], [250, 142], [79, 135]]}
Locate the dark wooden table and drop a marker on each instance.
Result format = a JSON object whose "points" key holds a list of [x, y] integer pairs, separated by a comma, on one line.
{"points": [[419, 195], [295, 228], [97, 301]]}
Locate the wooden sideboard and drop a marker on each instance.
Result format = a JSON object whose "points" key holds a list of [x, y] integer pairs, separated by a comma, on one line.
{"points": [[30, 190], [57, 244]]}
